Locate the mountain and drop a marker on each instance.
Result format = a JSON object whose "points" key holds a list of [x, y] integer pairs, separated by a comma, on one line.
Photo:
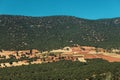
{"points": [[52, 32]]}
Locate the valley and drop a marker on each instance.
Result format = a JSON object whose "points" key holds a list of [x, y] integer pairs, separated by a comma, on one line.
{"points": [[59, 48]]}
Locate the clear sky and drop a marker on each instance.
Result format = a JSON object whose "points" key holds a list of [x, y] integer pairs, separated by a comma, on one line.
{"points": [[90, 9]]}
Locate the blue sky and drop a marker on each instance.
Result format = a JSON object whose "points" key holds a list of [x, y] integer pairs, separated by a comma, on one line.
{"points": [[90, 9]]}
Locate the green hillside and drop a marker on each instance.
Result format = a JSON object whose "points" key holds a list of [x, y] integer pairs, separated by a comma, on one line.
{"points": [[45, 33], [95, 69]]}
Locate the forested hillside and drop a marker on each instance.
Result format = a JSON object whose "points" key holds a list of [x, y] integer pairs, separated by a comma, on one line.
{"points": [[95, 69], [45, 33]]}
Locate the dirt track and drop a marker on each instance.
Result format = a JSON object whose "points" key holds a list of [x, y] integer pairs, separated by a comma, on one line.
{"points": [[105, 57]]}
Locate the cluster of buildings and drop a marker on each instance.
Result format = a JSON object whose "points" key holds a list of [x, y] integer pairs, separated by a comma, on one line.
{"points": [[75, 53]]}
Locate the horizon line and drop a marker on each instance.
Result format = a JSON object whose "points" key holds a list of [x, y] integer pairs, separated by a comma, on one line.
{"points": [[57, 15]]}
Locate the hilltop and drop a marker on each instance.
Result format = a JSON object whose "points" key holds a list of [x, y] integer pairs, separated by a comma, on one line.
{"points": [[52, 32]]}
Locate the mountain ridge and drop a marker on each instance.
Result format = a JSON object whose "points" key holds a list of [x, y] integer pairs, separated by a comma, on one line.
{"points": [[59, 15], [45, 33]]}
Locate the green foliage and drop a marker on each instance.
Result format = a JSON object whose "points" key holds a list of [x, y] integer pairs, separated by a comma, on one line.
{"points": [[64, 70], [46, 33]]}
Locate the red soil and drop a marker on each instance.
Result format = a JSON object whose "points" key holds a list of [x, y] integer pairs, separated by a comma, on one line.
{"points": [[105, 57], [109, 58]]}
